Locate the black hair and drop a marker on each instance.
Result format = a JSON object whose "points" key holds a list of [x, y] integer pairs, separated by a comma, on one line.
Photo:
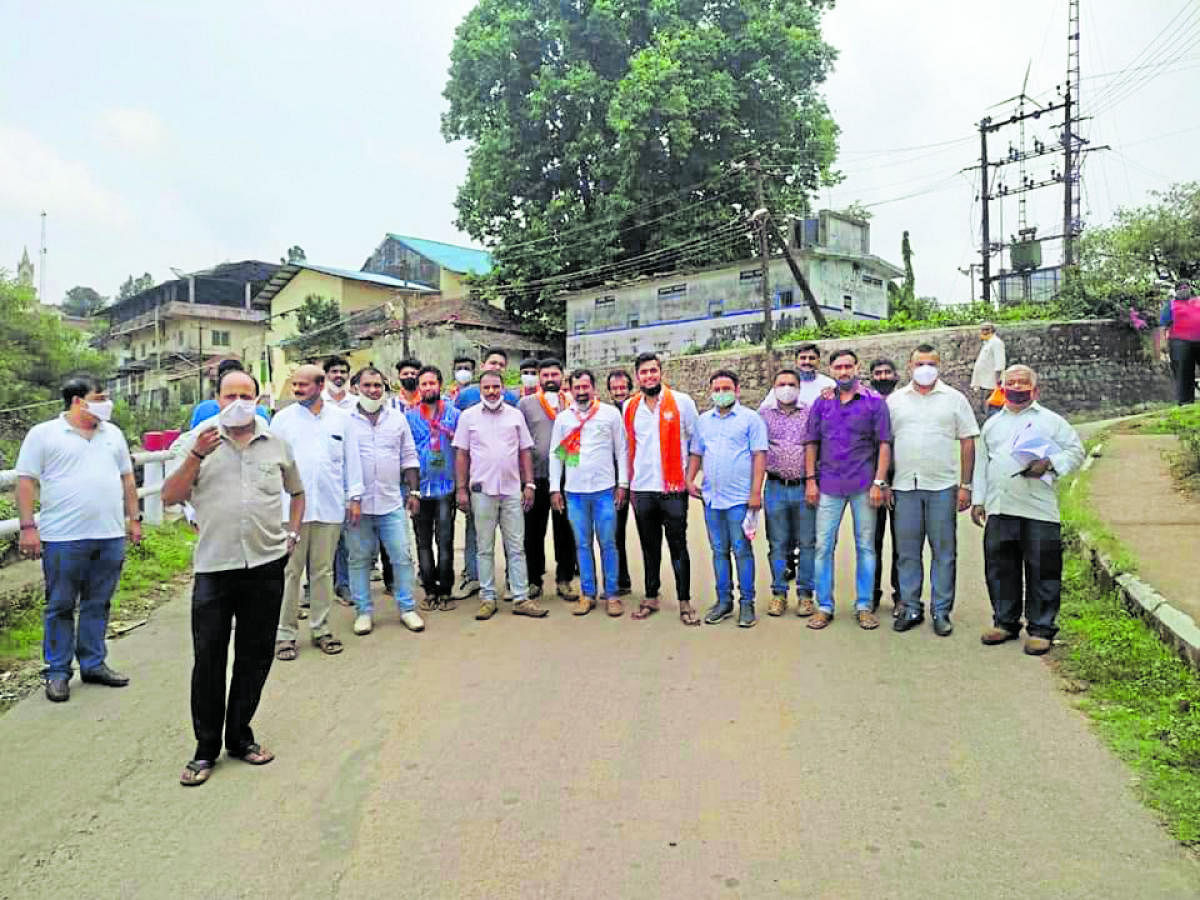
{"points": [[809, 347], [492, 372], [229, 365], [922, 348], [644, 358], [883, 361], [618, 373], [549, 362], [465, 359], [354, 379], [221, 378], [80, 386], [723, 373], [579, 373], [434, 369], [528, 363], [496, 351], [409, 363], [365, 369], [791, 372], [845, 351], [336, 361]]}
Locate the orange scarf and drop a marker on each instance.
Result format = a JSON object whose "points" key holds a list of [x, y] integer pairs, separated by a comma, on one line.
{"points": [[571, 446], [551, 412], [669, 439]]}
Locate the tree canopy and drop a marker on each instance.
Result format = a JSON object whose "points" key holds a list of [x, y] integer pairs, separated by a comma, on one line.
{"points": [[319, 327], [83, 301], [131, 285], [601, 131]]}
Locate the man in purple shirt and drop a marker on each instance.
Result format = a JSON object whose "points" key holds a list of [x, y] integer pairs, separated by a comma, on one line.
{"points": [[848, 446]]}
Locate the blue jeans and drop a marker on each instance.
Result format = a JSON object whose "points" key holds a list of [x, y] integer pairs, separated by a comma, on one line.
{"points": [[830, 511], [920, 515], [391, 530], [84, 572], [594, 516], [725, 535], [341, 563], [791, 523]]}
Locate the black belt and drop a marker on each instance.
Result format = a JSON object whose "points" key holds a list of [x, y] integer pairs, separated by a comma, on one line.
{"points": [[787, 482]]}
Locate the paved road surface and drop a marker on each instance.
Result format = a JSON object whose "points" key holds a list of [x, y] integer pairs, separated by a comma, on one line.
{"points": [[590, 758]]}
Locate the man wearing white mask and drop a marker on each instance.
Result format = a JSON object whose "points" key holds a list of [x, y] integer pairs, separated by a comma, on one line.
{"points": [[989, 364], [812, 382], [81, 465], [933, 440], [529, 376]]}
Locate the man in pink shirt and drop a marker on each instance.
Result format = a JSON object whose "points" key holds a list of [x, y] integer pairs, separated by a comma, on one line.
{"points": [[494, 481]]}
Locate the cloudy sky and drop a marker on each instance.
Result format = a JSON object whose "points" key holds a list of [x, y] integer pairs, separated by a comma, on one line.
{"points": [[169, 134]]}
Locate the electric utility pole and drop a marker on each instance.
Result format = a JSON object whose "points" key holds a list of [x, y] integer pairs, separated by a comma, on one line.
{"points": [[764, 254]]}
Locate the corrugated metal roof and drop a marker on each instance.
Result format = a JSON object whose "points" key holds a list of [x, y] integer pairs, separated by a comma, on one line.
{"points": [[449, 256], [286, 273]]}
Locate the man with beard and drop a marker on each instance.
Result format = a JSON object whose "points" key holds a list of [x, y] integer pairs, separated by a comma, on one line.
{"points": [[432, 424], [620, 386], [883, 382]]}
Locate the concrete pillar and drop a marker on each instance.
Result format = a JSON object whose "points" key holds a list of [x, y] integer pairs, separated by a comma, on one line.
{"points": [[152, 479]]}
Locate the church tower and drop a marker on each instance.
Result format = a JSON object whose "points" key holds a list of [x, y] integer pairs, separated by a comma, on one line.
{"points": [[25, 269]]}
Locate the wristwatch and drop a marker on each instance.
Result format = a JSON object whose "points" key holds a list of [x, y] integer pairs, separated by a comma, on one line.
{"points": [[530, 486], [294, 535], [965, 487], [879, 483]]}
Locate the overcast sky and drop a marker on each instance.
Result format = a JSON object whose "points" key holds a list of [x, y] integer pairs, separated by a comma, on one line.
{"points": [[164, 134]]}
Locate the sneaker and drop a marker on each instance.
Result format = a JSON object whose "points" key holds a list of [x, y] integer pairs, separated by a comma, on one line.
{"points": [[467, 587], [585, 606], [805, 605], [508, 595], [487, 609], [718, 613], [566, 590], [376, 575], [746, 617], [778, 605], [529, 608], [1036, 646], [412, 621], [363, 624]]}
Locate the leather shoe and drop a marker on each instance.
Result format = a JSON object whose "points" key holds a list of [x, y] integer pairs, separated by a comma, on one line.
{"points": [[58, 690], [942, 626], [905, 621], [102, 674]]}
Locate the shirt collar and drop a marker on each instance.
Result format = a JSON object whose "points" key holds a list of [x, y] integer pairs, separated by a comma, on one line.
{"points": [[260, 429]]}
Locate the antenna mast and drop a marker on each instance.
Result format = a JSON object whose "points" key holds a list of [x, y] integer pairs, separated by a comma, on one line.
{"points": [[42, 263], [1072, 143]]}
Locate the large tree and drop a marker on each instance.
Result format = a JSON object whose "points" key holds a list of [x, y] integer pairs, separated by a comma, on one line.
{"points": [[600, 131], [83, 301], [131, 285]]}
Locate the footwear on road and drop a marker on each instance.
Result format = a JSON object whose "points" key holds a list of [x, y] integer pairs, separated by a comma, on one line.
{"points": [[746, 617], [1036, 646], [486, 610], [942, 626], [997, 635], [102, 674], [58, 690], [529, 608], [466, 588], [566, 590], [718, 613], [412, 621], [363, 624], [586, 605], [778, 605]]}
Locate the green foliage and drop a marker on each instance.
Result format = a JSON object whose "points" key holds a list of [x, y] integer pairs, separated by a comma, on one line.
{"points": [[295, 253], [136, 421], [131, 286], [591, 126], [1185, 422], [933, 317], [319, 326], [83, 301]]}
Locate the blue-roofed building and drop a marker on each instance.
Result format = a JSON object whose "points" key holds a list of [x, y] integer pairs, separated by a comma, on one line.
{"points": [[434, 264]]}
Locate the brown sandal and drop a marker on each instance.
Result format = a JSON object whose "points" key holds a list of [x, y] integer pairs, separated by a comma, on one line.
{"points": [[820, 619], [645, 610], [867, 620], [687, 615], [328, 644], [196, 772], [254, 754], [285, 651]]}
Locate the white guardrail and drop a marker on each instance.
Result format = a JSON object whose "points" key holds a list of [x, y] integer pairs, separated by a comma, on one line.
{"points": [[153, 465]]}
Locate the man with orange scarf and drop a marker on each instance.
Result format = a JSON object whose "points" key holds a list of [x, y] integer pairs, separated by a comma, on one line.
{"points": [[660, 427]]}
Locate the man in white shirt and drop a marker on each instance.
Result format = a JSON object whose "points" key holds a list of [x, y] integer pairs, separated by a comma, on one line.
{"points": [[989, 365], [388, 455], [812, 382], [660, 427], [933, 448], [326, 451], [1022, 539], [587, 443], [81, 465], [338, 392]]}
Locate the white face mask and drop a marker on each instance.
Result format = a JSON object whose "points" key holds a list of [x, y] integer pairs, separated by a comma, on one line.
{"points": [[462, 376], [494, 405], [368, 404], [529, 381], [787, 394], [925, 375], [237, 414], [101, 409]]}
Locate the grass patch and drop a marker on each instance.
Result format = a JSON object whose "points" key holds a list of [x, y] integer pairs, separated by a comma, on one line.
{"points": [[1078, 517], [1144, 699]]}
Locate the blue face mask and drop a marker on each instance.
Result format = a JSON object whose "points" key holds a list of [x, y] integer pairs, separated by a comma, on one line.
{"points": [[805, 375], [847, 384], [309, 402]]}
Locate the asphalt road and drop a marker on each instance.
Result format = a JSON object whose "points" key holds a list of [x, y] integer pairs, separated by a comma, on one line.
{"points": [[591, 758]]}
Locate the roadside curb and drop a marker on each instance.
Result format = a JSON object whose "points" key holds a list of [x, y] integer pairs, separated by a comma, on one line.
{"points": [[1175, 627]]}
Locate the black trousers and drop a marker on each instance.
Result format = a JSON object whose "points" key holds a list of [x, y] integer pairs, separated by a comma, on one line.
{"points": [[386, 561], [623, 582], [886, 517], [253, 597], [435, 521], [1023, 558], [1185, 355], [565, 562], [658, 514]]}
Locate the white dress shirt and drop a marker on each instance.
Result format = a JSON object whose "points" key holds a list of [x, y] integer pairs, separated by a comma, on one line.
{"points": [[348, 401], [991, 359], [386, 449], [326, 452], [647, 472], [809, 392], [998, 487], [603, 452], [926, 433]]}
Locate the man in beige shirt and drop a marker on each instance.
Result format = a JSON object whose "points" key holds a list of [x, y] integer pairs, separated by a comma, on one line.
{"points": [[989, 364], [234, 471]]}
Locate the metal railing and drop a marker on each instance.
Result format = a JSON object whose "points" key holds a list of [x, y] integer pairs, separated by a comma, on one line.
{"points": [[153, 464]]}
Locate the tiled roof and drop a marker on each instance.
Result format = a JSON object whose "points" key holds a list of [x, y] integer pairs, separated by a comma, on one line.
{"points": [[462, 311], [449, 256]]}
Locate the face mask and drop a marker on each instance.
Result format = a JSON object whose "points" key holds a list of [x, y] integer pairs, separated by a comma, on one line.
{"points": [[723, 399], [1017, 398], [807, 375], [528, 380], [652, 391], [787, 394], [409, 384], [925, 375], [883, 386], [237, 414], [848, 382], [551, 387], [309, 402], [462, 376], [369, 405], [101, 409]]}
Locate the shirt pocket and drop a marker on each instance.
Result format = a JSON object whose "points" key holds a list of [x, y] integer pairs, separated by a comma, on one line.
{"points": [[268, 478]]}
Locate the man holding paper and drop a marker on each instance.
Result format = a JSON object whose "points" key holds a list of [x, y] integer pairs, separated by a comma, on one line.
{"points": [[1022, 452]]}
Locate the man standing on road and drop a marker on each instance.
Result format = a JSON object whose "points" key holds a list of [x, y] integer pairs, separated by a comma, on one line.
{"points": [[620, 386], [494, 360], [494, 479], [234, 471], [80, 463], [388, 457], [933, 441], [540, 412], [588, 442], [1022, 539], [731, 446], [846, 462], [791, 521], [464, 374], [660, 426], [1180, 322], [326, 452], [529, 377], [812, 382], [337, 393], [883, 382], [989, 365], [432, 424]]}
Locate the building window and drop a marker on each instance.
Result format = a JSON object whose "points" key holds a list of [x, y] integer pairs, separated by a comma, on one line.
{"points": [[749, 275], [847, 302], [716, 308], [674, 290], [602, 302], [580, 324], [220, 339], [633, 322], [786, 298], [872, 280], [142, 353]]}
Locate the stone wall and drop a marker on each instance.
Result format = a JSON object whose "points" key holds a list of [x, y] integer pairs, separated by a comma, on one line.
{"points": [[1087, 369]]}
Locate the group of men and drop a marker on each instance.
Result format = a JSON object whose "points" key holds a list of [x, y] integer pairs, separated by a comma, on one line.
{"points": [[354, 460]]}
